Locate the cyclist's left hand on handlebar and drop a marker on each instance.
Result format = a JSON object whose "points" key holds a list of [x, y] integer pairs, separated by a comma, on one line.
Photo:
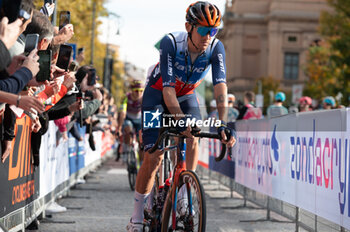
{"points": [[187, 132], [228, 135]]}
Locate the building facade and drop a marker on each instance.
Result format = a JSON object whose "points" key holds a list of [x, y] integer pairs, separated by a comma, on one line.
{"points": [[268, 38]]}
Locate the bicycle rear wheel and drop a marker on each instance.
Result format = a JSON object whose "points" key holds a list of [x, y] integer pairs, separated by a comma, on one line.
{"points": [[190, 211], [132, 169]]}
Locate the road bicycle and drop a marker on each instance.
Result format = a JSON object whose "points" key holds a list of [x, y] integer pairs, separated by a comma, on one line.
{"points": [[131, 158], [132, 166], [184, 207]]}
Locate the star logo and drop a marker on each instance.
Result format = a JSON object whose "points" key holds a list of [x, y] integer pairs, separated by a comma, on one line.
{"points": [[152, 119], [156, 115]]}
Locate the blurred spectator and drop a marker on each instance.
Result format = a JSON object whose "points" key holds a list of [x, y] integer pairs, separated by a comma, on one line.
{"points": [[293, 109], [232, 113], [212, 108], [305, 104], [231, 104], [249, 111], [40, 25], [231, 100], [277, 108], [80, 56], [328, 103]]}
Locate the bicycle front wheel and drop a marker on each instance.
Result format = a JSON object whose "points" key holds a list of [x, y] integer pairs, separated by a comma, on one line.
{"points": [[188, 213]]}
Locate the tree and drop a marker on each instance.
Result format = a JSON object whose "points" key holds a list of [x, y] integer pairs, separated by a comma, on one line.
{"points": [[321, 71], [335, 27]]}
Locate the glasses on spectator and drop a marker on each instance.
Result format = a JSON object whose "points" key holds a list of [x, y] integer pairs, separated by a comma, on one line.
{"points": [[230, 101], [203, 31]]}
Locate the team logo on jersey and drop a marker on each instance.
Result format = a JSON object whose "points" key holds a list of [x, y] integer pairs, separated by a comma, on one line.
{"points": [[170, 67], [152, 119], [221, 61]]}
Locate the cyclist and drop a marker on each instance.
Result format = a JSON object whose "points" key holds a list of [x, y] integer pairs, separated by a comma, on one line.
{"points": [[185, 59], [129, 118], [277, 108]]}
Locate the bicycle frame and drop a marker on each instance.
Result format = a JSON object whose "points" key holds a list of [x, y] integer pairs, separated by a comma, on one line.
{"points": [[170, 210], [179, 168]]}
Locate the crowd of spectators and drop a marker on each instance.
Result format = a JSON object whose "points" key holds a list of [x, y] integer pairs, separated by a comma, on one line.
{"points": [[69, 95], [247, 109]]}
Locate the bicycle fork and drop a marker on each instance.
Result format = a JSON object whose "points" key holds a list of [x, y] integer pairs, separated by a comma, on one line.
{"points": [[180, 167]]}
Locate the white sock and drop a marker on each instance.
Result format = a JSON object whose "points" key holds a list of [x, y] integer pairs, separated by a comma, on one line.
{"points": [[182, 194], [139, 204]]}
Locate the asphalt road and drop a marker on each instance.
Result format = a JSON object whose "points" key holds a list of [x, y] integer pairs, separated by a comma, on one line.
{"points": [[105, 203]]}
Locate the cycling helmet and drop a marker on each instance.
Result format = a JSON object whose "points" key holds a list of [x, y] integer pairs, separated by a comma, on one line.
{"points": [[204, 14], [280, 96], [136, 85], [329, 100], [305, 100]]}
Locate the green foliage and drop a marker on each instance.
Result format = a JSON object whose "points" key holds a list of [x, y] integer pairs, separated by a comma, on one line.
{"points": [[322, 73], [328, 66]]}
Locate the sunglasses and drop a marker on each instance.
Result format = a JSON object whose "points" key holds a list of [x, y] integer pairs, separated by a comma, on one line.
{"points": [[203, 31], [137, 90]]}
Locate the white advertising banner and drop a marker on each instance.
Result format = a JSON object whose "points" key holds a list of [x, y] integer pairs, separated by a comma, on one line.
{"points": [[54, 166], [90, 155], [203, 158], [302, 159]]}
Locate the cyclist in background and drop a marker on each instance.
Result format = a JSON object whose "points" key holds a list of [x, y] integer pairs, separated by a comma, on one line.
{"points": [[129, 118], [277, 108], [185, 59]]}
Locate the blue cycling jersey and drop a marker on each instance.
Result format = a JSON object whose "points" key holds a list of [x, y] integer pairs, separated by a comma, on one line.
{"points": [[176, 69]]}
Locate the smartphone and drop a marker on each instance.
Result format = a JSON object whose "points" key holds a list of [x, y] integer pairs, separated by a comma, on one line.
{"points": [[64, 56], [64, 19], [92, 77], [31, 43], [12, 9], [44, 65]]}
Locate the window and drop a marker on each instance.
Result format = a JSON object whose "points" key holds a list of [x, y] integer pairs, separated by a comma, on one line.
{"points": [[292, 39], [291, 65]]}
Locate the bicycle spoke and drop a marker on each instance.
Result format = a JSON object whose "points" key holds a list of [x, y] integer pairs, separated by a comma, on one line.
{"points": [[190, 206]]}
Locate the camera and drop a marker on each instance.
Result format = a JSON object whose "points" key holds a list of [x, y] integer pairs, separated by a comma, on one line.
{"points": [[14, 9]]}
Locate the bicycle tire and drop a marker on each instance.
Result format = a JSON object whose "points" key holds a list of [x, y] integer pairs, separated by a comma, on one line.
{"points": [[199, 207], [150, 213], [132, 170]]}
